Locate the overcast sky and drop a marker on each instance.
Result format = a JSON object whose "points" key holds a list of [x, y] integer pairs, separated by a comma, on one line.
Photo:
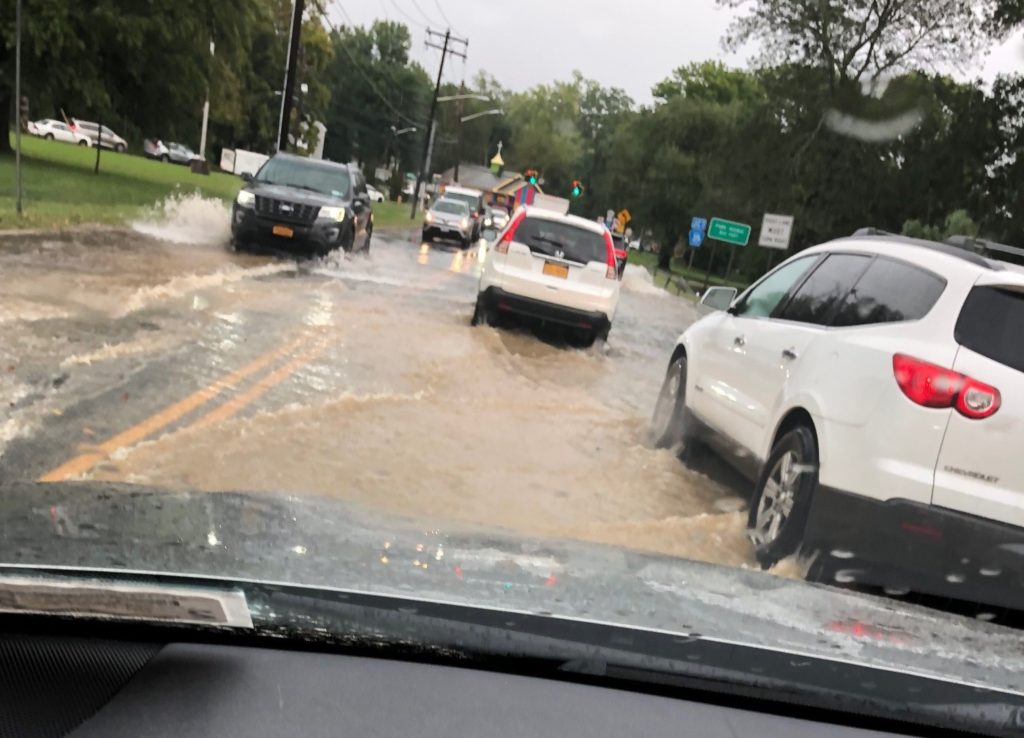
{"points": [[631, 45]]}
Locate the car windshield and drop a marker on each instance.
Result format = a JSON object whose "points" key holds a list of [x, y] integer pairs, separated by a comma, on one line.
{"points": [[779, 413], [327, 180], [472, 201], [450, 206]]}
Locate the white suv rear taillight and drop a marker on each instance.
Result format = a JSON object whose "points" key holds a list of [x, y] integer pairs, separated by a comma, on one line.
{"points": [[612, 272], [502, 246], [930, 385]]}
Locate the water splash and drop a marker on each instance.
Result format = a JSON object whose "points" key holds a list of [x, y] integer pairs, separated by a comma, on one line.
{"points": [[637, 279], [188, 218]]}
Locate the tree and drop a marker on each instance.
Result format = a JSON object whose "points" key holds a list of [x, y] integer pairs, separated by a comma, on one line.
{"points": [[860, 39], [374, 87]]}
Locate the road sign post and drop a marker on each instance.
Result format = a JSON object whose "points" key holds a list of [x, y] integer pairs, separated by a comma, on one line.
{"points": [[727, 231], [775, 231]]}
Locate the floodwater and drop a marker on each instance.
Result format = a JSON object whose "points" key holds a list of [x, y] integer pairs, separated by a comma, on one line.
{"points": [[369, 386]]}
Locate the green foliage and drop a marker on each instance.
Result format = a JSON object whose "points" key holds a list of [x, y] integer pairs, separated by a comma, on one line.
{"points": [[957, 223]]}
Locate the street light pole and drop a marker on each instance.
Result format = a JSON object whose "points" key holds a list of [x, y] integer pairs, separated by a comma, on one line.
{"points": [[206, 109], [17, 97], [464, 119]]}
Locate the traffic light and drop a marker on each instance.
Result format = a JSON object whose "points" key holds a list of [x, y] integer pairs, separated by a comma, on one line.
{"points": [[577, 188], [531, 176]]}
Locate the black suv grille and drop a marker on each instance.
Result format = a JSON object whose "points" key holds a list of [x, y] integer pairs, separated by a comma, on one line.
{"points": [[284, 211]]}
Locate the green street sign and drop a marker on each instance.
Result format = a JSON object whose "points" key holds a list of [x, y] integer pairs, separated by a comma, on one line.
{"points": [[729, 231]]}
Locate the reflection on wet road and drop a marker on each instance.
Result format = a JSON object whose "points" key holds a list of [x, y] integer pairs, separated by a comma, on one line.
{"points": [[132, 358]]}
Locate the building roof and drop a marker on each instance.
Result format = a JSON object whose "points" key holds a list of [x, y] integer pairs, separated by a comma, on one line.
{"points": [[473, 176]]}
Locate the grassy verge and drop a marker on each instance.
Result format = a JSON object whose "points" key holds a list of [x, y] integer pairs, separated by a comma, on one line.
{"points": [[60, 188], [393, 216], [694, 276]]}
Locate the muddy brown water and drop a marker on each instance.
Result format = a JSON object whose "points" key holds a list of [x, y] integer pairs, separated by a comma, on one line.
{"points": [[392, 400]]}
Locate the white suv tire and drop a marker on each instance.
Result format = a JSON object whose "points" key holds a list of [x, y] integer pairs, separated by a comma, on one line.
{"points": [[782, 499], [669, 423]]}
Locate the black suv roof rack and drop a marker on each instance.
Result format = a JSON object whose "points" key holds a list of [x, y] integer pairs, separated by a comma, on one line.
{"points": [[950, 249]]}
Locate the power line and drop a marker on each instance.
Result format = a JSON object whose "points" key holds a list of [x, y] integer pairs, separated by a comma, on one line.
{"points": [[406, 15], [358, 67], [427, 18], [443, 16]]}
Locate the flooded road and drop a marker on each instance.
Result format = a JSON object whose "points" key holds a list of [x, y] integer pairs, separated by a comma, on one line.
{"points": [[153, 355]]}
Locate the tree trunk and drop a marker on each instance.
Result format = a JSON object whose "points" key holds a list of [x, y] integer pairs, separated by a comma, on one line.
{"points": [[7, 106], [665, 253]]}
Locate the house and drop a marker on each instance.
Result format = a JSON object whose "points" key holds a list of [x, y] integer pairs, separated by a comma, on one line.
{"points": [[507, 189]]}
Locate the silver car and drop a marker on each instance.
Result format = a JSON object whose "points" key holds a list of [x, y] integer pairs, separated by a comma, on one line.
{"points": [[448, 219], [108, 140]]}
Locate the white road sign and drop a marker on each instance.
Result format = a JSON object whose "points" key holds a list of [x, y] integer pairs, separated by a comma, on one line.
{"points": [[775, 231]]}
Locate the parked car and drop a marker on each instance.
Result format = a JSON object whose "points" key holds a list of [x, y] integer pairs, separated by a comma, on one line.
{"points": [[553, 267], [873, 388], [296, 203], [375, 194], [56, 130], [448, 219], [171, 151], [108, 140], [473, 198]]}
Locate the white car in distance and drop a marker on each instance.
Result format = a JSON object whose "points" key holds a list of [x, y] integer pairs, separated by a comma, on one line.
{"points": [[552, 267], [56, 130], [374, 194], [873, 387]]}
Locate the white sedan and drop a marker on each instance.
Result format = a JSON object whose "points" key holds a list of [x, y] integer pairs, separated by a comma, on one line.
{"points": [[375, 194], [56, 130]]}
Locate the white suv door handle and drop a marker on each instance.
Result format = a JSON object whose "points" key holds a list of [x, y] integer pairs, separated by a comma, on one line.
{"points": [[789, 354], [739, 341]]}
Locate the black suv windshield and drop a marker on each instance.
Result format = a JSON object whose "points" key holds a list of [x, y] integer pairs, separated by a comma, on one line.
{"points": [[326, 179]]}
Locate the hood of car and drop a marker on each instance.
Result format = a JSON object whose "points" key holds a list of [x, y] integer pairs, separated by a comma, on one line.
{"points": [[294, 194], [452, 218], [321, 542]]}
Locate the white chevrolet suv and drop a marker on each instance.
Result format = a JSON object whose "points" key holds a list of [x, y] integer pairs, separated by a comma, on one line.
{"points": [[557, 268], [873, 387]]}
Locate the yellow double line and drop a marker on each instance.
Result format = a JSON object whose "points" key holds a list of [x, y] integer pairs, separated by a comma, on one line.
{"points": [[161, 419]]}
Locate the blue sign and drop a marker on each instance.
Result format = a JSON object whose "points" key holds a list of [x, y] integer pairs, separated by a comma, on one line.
{"points": [[696, 238], [699, 224]]}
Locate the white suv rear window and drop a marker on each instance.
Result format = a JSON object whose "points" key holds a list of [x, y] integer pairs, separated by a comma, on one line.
{"points": [[562, 240], [990, 324]]}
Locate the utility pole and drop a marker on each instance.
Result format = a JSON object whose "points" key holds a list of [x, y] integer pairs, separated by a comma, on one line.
{"points": [[459, 105], [294, 34], [445, 51], [17, 97]]}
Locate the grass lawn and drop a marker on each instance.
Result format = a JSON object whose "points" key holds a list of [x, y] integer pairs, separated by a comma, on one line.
{"points": [[60, 188], [393, 216], [694, 276]]}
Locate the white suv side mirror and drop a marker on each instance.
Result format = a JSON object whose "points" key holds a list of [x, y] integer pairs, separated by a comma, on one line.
{"points": [[716, 299]]}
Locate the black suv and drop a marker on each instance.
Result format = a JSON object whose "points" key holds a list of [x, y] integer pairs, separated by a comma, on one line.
{"points": [[294, 203]]}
